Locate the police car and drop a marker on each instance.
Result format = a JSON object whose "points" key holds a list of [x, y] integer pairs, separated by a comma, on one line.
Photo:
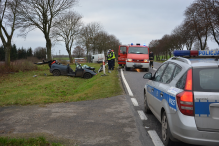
{"points": [[183, 94]]}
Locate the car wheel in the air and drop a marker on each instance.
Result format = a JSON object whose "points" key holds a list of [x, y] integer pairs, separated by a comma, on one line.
{"points": [[146, 107], [56, 73], [166, 134], [87, 75]]}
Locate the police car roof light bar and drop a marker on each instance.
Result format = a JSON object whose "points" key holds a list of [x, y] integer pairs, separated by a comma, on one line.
{"points": [[188, 53]]}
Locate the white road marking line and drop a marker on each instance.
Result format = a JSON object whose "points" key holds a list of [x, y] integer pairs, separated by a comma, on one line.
{"points": [[142, 115], [154, 69], [126, 84], [155, 138], [134, 101]]}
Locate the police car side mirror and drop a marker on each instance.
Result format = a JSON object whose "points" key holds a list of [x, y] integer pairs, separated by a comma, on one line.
{"points": [[148, 76]]}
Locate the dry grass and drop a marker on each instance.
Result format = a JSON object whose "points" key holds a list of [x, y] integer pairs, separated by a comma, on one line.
{"points": [[19, 65]]}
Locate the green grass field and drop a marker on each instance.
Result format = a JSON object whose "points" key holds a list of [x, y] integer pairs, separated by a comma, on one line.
{"points": [[61, 58], [40, 141], [22, 88]]}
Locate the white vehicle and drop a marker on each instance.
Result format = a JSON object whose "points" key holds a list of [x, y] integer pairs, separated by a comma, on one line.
{"points": [[183, 94], [98, 58]]}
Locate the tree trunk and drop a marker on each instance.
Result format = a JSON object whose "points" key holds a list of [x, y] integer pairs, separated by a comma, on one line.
{"points": [[70, 57], [48, 46], [7, 54]]}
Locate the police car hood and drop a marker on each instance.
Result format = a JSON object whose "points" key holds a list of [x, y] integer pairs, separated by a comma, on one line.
{"points": [[138, 56]]}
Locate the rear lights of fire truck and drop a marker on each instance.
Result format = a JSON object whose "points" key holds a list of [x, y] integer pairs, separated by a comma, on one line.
{"points": [[185, 98]]}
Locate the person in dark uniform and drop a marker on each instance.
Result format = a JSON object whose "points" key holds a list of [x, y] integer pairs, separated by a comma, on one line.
{"points": [[151, 58]]}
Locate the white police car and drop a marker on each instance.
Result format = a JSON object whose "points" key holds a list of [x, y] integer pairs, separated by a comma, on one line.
{"points": [[183, 94]]}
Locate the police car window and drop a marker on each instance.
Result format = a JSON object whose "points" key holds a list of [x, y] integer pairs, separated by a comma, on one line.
{"points": [[182, 81], [206, 79], [166, 78], [159, 72], [122, 49], [176, 71]]}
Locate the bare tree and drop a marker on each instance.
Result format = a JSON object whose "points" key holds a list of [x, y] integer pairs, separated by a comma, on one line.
{"points": [[78, 52], [67, 28], [40, 14], [211, 9], [88, 37], [8, 23], [195, 17]]}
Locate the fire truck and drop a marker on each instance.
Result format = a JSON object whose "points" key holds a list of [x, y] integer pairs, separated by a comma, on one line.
{"points": [[133, 56]]}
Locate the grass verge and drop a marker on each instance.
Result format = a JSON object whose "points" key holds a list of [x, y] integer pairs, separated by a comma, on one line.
{"points": [[40, 141], [22, 88]]}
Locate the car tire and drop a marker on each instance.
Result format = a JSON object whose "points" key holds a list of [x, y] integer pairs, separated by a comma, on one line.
{"points": [[166, 134], [146, 107], [127, 68], [87, 75], [56, 73]]}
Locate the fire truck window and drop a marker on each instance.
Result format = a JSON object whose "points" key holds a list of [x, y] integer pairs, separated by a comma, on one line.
{"points": [[122, 49]]}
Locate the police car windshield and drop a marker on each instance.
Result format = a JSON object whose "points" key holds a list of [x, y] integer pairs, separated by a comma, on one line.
{"points": [[206, 79], [138, 50]]}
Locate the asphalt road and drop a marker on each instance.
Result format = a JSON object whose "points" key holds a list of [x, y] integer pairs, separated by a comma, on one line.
{"points": [[136, 83], [103, 122]]}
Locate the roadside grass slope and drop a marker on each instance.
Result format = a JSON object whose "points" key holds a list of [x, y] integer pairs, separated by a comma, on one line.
{"points": [[23, 89]]}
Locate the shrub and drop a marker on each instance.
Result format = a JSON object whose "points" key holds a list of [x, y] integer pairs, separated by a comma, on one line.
{"points": [[18, 65]]}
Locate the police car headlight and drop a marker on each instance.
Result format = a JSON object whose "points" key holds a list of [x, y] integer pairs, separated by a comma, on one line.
{"points": [[146, 60], [129, 60]]}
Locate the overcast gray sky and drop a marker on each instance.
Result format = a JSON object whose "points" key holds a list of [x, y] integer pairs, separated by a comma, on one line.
{"points": [[131, 21]]}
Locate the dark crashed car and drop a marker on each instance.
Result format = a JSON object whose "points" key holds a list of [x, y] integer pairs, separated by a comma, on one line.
{"points": [[58, 69]]}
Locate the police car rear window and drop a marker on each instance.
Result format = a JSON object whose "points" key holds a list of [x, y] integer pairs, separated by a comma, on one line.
{"points": [[206, 79]]}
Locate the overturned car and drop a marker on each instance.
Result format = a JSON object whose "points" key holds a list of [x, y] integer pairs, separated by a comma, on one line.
{"points": [[58, 69]]}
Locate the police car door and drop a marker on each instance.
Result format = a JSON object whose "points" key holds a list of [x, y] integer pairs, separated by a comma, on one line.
{"points": [[206, 98], [166, 99], [153, 96]]}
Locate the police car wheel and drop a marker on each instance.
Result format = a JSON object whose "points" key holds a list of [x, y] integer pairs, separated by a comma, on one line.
{"points": [[166, 131], [127, 68], [56, 73], [146, 107]]}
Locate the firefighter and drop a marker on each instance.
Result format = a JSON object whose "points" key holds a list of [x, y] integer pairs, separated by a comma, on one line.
{"points": [[151, 58], [113, 57], [109, 60]]}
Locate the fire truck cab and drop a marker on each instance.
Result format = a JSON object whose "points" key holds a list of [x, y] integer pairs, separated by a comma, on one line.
{"points": [[134, 56]]}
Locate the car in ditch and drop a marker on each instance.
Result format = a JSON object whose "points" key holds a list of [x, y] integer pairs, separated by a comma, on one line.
{"points": [[58, 69]]}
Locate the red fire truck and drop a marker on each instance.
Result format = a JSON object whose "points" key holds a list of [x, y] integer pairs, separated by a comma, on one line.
{"points": [[134, 56]]}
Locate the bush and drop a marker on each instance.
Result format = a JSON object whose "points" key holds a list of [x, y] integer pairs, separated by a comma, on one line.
{"points": [[18, 65]]}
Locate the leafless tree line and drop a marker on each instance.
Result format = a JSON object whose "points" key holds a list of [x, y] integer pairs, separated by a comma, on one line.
{"points": [[55, 21], [200, 24]]}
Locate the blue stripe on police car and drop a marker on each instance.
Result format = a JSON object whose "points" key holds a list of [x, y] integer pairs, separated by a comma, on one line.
{"points": [[171, 100]]}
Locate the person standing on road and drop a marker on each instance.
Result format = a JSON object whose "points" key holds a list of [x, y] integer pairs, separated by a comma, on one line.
{"points": [[151, 58], [113, 57], [109, 60]]}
